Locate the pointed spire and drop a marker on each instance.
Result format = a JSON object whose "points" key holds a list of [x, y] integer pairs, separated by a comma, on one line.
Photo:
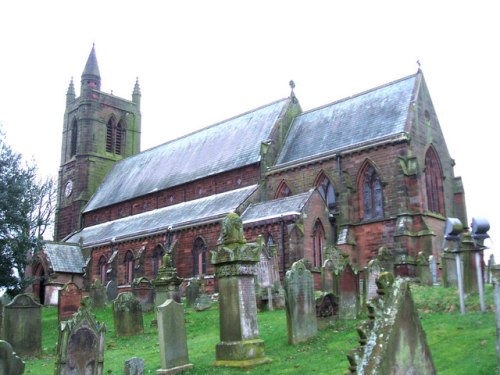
{"points": [[91, 76], [70, 94], [136, 94], [292, 94]]}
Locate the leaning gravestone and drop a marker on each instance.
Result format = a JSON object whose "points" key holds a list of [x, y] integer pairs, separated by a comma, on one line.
{"points": [[80, 346], [70, 297], [98, 295], [235, 268], [300, 304], [172, 337], [111, 290], [10, 363], [127, 315], [22, 325], [144, 291], [134, 366]]}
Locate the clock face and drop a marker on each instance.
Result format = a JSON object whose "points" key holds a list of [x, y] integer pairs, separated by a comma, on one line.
{"points": [[68, 188]]}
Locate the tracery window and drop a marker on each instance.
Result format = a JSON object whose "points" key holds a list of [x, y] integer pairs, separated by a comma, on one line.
{"points": [[114, 136], [434, 182], [102, 268], [326, 190], [129, 267], [199, 257], [283, 191], [318, 243], [157, 259], [372, 194]]}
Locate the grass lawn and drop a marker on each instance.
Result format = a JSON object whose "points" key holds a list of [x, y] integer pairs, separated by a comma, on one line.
{"points": [[460, 344]]}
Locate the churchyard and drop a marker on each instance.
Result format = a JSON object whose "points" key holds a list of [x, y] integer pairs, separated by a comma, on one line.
{"points": [[460, 344]]}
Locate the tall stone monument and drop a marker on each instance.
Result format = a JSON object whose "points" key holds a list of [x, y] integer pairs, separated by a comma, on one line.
{"points": [[22, 325], [235, 268]]}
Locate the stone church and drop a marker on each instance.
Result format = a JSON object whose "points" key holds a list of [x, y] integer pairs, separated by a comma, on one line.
{"points": [[364, 172]]}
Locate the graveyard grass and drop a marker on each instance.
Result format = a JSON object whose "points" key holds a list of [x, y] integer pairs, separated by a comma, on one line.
{"points": [[460, 344]]}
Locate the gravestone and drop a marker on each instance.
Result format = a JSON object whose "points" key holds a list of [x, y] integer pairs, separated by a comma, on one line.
{"points": [[203, 302], [144, 291], [10, 363], [495, 279], [386, 259], [434, 270], [111, 290], [300, 304], [172, 337], [70, 298], [393, 340], [373, 271], [423, 269], [491, 263], [134, 366], [450, 278], [348, 293], [80, 346], [327, 283], [267, 281], [22, 325], [98, 295], [127, 315], [192, 291], [234, 261]]}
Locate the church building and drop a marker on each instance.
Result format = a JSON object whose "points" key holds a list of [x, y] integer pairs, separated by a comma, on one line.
{"points": [[365, 172]]}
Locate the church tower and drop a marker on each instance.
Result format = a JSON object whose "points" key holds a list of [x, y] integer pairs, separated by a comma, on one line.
{"points": [[99, 130]]}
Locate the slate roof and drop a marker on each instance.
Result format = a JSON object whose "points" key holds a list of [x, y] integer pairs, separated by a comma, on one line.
{"points": [[292, 205], [187, 213], [228, 145], [367, 117], [64, 257]]}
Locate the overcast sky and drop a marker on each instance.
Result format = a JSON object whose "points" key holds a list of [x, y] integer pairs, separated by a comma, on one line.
{"points": [[200, 62]]}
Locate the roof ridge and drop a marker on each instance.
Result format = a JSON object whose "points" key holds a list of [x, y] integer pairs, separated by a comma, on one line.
{"points": [[344, 99]]}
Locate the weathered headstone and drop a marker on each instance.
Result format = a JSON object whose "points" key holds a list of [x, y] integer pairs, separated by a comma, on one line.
{"points": [[423, 270], [373, 271], [192, 291], [234, 262], [80, 346], [98, 295], [386, 259], [10, 363], [348, 293], [144, 291], [393, 340], [134, 366], [22, 325], [450, 278], [111, 290], [300, 304], [69, 301], [327, 284], [172, 337], [203, 302], [495, 279], [434, 270], [127, 315]]}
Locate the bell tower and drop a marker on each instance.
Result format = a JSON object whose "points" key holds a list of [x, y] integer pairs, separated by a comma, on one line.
{"points": [[99, 130]]}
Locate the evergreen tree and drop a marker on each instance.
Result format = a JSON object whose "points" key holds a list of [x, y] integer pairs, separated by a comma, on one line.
{"points": [[26, 211]]}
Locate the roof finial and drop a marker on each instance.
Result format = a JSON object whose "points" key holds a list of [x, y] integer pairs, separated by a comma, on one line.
{"points": [[292, 94], [418, 63]]}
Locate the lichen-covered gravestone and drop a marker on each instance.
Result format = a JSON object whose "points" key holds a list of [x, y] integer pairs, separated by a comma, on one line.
{"points": [[80, 346], [111, 290], [70, 297], [22, 325], [235, 269], [300, 304], [348, 292], [127, 315], [10, 363], [134, 366], [373, 271], [327, 276], [98, 295], [172, 336], [192, 292], [144, 291], [386, 259]]}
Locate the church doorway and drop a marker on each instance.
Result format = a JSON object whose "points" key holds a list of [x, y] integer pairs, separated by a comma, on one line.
{"points": [[39, 283]]}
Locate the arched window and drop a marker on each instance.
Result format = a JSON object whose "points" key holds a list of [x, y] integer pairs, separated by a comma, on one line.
{"points": [[102, 268], [372, 194], [318, 243], [118, 139], [434, 182], [199, 257], [129, 267], [283, 191], [109, 135], [326, 190], [74, 138], [157, 259]]}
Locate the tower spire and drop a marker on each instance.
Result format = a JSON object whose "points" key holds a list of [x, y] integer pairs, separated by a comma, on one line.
{"points": [[136, 94], [70, 94], [91, 77]]}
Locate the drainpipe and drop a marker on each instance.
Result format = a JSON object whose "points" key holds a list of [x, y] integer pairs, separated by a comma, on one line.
{"points": [[283, 244]]}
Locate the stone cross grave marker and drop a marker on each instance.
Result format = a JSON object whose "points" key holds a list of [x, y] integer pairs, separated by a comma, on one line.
{"points": [[70, 297], [172, 336], [127, 315], [22, 325], [10, 363], [300, 304], [80, 346]]}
